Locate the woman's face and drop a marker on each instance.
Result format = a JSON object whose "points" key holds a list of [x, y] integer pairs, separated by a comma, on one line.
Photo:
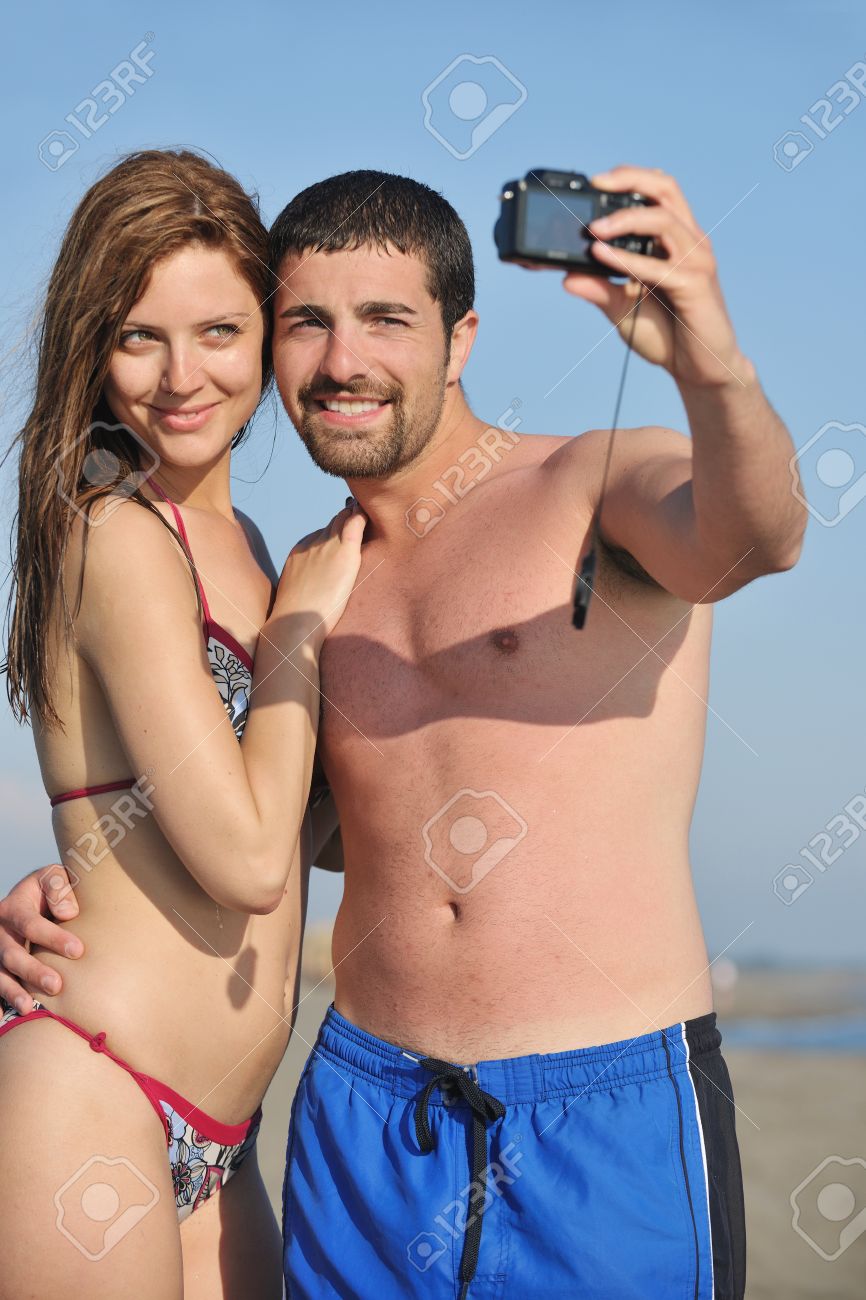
{"points": [[187, 372]]}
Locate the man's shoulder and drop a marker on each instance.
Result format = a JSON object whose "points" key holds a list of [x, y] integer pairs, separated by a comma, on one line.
{"points": [[574, 471], [572, 467], [591, 447], [575, 467], [553, 450], [545, 462]]}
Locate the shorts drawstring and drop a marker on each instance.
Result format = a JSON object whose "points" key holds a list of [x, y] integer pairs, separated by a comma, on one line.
{"points": [[485, 1110]]}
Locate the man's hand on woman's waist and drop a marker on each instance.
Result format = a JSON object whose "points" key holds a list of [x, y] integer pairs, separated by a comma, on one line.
{"points": [[25, 915]]}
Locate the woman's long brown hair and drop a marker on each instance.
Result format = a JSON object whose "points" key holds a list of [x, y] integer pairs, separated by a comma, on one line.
{"points": [[149, 206]]}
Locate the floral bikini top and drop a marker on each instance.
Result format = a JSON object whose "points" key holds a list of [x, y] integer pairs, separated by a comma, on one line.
{"points": [[230, 664]]}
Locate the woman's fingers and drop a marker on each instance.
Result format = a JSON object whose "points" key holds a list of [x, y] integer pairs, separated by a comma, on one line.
{"points": [[335, 527], [353, 525]]}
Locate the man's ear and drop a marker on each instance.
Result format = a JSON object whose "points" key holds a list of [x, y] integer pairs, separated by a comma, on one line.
{"points": [[462, 339]]}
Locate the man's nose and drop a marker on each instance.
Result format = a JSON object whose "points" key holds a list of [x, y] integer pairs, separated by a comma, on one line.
{"points": [[341, 361]]}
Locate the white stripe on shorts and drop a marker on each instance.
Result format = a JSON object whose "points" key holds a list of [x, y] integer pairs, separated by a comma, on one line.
{"points": [[703, 1156]]}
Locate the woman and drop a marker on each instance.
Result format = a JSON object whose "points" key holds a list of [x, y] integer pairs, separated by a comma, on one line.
{"points": [[135, 1095]]}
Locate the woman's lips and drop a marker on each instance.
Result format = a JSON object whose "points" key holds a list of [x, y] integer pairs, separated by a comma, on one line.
{"points": [[185, 421]]}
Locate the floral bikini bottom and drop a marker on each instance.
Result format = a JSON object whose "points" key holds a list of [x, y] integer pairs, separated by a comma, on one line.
{"points": [[202, 1152]]}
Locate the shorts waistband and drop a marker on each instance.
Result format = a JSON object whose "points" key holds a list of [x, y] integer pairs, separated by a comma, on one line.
{"points": [[531, 1078]]}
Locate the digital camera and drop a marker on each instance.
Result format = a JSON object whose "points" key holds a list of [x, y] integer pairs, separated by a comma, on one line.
{"points": [[544, 218]]}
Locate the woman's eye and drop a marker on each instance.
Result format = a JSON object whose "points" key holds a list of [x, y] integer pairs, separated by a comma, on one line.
{"points": [[222, 331]]}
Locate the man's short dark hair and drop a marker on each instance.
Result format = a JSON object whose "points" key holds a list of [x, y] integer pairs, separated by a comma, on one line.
{"points": [[377, 209]]}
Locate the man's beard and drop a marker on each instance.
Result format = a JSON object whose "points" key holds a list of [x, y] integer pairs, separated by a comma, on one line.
{"points": [[371, 453]]}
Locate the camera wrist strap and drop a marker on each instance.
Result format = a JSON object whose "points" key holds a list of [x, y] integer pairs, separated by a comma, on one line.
{"points": [[586, 579]]}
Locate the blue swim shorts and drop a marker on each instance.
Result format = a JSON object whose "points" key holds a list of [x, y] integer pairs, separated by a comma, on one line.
{"points": [[605, 1173]]}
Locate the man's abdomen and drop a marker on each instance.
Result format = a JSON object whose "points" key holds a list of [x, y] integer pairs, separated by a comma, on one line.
{"points": [[500, 903]]}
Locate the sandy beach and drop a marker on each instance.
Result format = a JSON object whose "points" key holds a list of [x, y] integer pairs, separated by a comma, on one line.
{"points": [[796, 1109]]}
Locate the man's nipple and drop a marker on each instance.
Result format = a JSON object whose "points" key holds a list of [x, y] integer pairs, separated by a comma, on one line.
{"points": [[505, 639]]}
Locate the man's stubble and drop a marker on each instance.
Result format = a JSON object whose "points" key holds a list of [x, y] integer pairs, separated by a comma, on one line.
{"points": [[377, 454]]}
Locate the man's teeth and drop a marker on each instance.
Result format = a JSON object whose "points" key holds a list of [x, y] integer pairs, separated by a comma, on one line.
{"points": [[351, 408]]}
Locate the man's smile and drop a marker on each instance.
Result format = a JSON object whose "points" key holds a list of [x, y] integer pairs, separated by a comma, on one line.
{"points": [[350, 410]]}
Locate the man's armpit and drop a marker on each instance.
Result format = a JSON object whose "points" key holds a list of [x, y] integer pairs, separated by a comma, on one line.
{"points": [[624, 562]]}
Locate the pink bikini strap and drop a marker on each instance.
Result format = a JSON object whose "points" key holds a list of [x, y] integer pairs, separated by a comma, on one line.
{"points": [[93, 789], [97, 1044], [182, 529]]}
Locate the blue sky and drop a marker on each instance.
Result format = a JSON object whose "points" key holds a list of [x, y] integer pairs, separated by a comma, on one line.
{"points": [[283, 95]]}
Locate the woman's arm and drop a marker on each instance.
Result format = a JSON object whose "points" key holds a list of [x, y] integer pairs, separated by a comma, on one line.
{"points": [[231, 812]]}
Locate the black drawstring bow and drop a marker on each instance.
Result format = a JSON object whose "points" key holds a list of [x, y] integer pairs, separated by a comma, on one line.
{"points": [[485, 1110]]}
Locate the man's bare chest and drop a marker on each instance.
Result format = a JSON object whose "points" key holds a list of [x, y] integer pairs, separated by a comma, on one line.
{"points": [[480, 628]]}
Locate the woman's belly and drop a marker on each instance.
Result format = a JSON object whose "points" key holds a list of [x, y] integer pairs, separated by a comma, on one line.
{"points": [[201, 1000]]}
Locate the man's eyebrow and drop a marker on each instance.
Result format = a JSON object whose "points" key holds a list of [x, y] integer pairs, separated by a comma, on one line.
{"points": [[304, 309], [364, 309], [386, 309]]}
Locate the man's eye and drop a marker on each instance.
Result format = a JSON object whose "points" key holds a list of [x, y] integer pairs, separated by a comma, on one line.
{"points": [[391, 320], [309, 320]]}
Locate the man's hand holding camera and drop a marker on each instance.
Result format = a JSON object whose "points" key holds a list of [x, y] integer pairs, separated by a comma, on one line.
{"points": [[683, 323], [705, 515]]}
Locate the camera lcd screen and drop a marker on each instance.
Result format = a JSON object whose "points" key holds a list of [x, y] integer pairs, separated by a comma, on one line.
{"points": [[553, 222]]}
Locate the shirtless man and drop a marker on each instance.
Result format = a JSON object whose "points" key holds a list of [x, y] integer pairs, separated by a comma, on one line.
{"points": [[522, 1039]]}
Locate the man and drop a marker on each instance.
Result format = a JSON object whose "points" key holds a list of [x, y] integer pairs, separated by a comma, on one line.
{"points": [[518, 1092]]}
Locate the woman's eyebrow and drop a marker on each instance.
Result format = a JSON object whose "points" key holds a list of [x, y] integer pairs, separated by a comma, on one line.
{"points": [[226, 315]]}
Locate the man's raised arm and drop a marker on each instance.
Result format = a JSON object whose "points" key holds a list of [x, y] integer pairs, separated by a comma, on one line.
{"points": [[703, 516]]}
